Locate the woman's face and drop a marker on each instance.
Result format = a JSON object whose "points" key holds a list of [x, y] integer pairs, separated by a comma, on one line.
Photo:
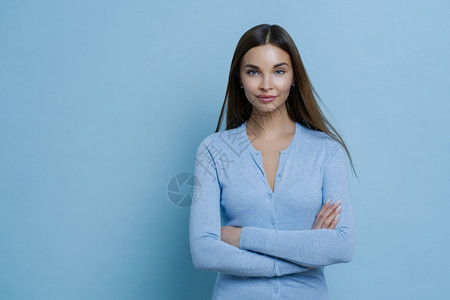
{"points": [[266, 74]]}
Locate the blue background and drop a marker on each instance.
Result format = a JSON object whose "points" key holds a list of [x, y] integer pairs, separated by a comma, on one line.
{"points": [[103, 102]]}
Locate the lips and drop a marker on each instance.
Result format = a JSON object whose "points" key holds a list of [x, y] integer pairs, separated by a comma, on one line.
{"points": [[266, 98]]}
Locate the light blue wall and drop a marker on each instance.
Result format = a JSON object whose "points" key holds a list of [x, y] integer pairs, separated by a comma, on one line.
{"points": [[103, 102]]}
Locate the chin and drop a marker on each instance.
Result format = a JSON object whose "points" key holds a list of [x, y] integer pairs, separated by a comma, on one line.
{"points": [[267, 108]]}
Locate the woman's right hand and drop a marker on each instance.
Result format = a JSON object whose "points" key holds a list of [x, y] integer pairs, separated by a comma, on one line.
{"points": [[328, 215]]}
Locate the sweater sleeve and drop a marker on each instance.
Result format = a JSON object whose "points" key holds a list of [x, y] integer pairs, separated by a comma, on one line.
{"points": [[208, 251], [315, 247]]}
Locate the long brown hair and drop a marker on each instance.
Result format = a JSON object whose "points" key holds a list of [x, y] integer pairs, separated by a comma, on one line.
{"points": [[301, 104]]}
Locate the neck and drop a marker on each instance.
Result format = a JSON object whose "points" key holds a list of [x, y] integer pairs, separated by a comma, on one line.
{"points": [[270, 124]]}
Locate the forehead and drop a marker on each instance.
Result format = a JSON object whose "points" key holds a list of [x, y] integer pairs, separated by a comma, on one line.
{"points": [[266, 55]]}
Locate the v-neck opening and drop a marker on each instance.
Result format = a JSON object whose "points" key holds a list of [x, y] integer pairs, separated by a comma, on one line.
{"points": [[281, 155]]}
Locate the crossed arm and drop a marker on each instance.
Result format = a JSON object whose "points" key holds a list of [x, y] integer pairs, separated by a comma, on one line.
{"points": [[327, 218], [311, 248]]}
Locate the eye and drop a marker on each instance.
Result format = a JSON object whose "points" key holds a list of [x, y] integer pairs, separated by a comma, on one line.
{"points": [[252, 72], [279, 72]]}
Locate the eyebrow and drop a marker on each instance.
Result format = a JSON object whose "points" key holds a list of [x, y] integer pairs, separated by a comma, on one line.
{"points": [[274, 66]]}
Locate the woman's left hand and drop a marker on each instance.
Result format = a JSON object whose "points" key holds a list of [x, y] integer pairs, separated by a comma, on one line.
{"points": [[231, 235]]}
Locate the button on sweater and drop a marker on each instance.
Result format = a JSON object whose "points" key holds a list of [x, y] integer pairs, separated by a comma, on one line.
{"points": [[280, 256]]}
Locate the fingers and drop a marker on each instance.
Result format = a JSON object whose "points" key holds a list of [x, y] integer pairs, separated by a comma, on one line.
{"points": [[320, 215], [333, 218], [334, 222], [328, 216]]}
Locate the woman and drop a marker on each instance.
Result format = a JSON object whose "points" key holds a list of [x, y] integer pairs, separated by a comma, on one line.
{"points": [[271, 202]]}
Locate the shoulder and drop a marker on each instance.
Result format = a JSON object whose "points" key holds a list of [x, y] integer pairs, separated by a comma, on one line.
{"points": [[320, 143], [319, 138], [222, 138], [221, 142], [207, 140]]}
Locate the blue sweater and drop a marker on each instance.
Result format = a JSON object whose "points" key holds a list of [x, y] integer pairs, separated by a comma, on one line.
{"points": [[277, 244]]}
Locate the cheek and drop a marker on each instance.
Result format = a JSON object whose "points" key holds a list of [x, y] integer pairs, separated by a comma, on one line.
{"points": [[248, 95], [250, 83], [284, 85], [251, 87]]}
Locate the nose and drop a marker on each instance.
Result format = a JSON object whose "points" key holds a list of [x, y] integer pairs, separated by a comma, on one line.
{"points": [[266, 83]]}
